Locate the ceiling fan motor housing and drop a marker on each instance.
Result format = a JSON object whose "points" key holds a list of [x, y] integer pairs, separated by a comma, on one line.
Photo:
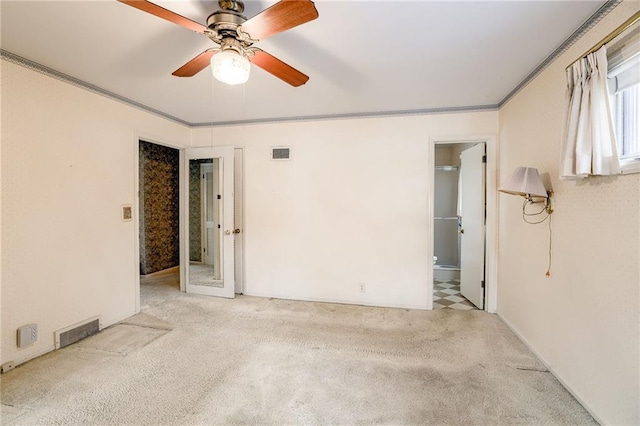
{"points": [[225, 17]]}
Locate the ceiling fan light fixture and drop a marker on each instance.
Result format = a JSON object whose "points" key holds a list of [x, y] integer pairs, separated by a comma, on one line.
{"points": [[230, 67]]}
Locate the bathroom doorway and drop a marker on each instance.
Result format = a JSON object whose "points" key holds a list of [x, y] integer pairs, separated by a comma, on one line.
{"points": [[459, 226]]}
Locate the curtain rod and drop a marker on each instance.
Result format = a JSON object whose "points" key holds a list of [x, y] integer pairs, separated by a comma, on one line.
{"points": [[613, 34]]}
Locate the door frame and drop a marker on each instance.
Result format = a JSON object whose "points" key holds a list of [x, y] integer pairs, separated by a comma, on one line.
{"points": [[491, 229], [136, 205], [159, 140], [238, 198]]}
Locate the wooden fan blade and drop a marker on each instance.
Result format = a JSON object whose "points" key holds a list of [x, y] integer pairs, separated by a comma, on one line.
{"points": [[280, 17], [163, 13], [275, 66], [195, 65]]}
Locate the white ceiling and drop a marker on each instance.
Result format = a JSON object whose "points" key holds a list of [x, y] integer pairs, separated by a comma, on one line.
{"points": [[363, 57]]}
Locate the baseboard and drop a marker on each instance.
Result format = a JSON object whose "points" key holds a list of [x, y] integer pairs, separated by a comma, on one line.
{"points": [[167, 271], [44, 351], [337, 301], [555, 374]]}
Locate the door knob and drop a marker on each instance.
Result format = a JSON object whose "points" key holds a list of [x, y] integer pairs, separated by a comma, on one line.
{"points": [[236, 231], [462, 231]]}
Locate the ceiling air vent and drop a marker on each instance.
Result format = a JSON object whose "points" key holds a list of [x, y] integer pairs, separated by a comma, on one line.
{"points": [[281, 153]]}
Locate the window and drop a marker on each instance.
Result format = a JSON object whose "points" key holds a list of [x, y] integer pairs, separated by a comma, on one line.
{"points": [[623, 56], [627, 119]]}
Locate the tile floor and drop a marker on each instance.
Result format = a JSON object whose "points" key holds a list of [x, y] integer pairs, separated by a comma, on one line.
{"points": [[446, 295]]}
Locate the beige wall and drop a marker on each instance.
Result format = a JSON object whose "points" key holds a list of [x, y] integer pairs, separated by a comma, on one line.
{"points": [[584, 320], [68, 164], [352, 205]]}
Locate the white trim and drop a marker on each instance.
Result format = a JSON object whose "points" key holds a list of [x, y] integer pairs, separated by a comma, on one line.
{"points": [[551, 370], [491, 230], [163, 272], [44, 351], [183, 181], [136, 223], [584, 28], [337, 301], [630, 166], [145, 137], [238, 199]]}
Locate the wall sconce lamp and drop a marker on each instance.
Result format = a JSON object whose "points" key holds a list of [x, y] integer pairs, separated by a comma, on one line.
{"points": [[526, 182]]}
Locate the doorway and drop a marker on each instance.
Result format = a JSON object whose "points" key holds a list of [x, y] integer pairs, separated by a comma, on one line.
{"points": [[459, 213], [149, 181], [159, 208]]}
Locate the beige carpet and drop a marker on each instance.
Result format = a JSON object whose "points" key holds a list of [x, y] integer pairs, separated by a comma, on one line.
{"points": [[262, 361]]}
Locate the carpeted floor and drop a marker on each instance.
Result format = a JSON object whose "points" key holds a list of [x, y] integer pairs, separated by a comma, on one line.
{"points": [[206, 361]]}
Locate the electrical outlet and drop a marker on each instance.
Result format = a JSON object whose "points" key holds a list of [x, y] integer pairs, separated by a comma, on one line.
{"points": [[363, 287]]}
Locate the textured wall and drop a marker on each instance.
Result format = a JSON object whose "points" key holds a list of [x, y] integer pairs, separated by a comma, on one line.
{"points": [[350, 207], [159, 208], [583, 320], [68, 166]]}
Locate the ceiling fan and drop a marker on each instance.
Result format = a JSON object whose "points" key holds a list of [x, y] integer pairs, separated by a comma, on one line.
{"points": [[236, 35]]}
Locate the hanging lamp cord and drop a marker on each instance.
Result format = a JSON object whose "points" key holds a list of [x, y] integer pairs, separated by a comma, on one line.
{"points": [[526, 217]]}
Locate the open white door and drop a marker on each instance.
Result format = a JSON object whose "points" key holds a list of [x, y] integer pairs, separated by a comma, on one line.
{"points": [[238, 215], [209, 224], [472, 224]]}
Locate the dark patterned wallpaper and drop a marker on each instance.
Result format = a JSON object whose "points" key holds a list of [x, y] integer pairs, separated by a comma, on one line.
{"points": [[159, 208]]}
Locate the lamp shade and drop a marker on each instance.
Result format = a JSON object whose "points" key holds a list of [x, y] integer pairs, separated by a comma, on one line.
{"points": [[524, 181], [230, 67]]}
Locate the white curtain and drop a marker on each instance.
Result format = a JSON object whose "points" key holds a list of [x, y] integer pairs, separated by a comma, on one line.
{"points": [[590, 143]]}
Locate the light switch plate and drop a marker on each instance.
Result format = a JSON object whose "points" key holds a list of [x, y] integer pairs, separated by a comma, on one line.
{"points": [[127, 213]]}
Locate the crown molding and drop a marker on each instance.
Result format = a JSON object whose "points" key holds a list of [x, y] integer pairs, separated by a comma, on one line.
{"points": [[584, 28], [355, 115], [34, 66], [573, 38]]}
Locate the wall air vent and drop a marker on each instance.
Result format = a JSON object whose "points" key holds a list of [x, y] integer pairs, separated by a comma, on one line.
{"points": [[76, 332], [281, 153]]}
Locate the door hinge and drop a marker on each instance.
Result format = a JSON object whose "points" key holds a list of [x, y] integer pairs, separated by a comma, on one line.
{"points": [[219, 226], [219, 197], [482, 284], [484, 158]]}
